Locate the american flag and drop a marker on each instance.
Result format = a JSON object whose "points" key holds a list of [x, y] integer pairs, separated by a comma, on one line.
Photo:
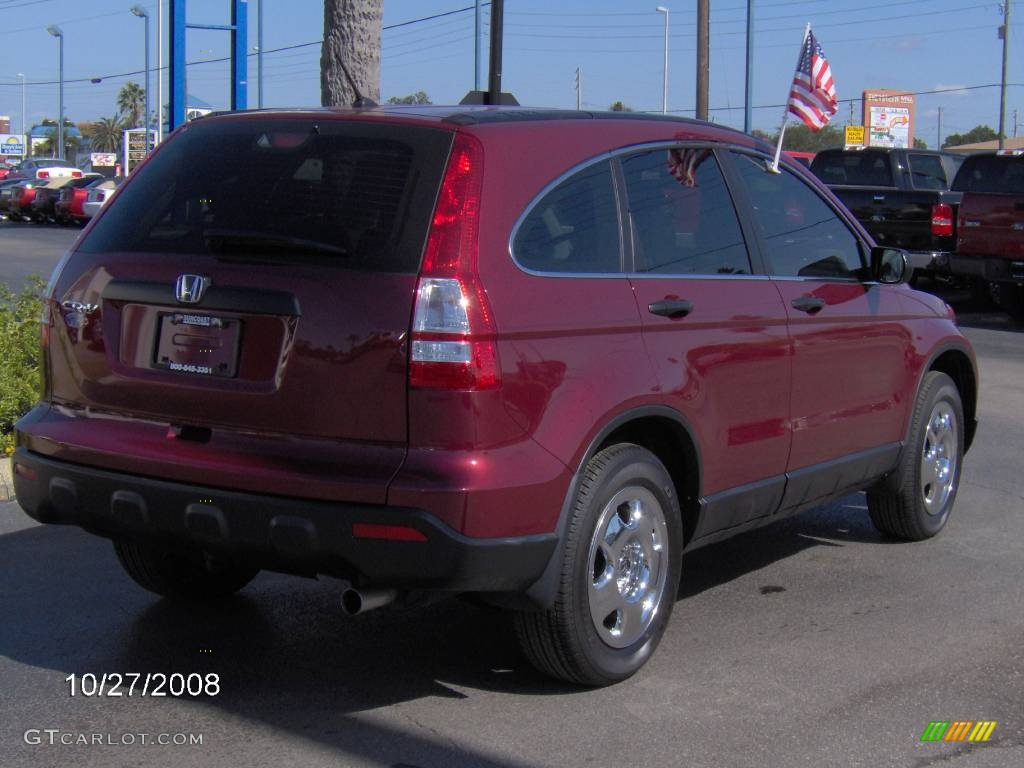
{"points": [[812, 96]]}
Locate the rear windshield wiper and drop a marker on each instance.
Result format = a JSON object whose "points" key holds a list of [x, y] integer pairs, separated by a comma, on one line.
{"points": [[233, 240]]}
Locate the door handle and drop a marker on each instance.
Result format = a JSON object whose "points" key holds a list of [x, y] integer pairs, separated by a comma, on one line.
{"points": [[808, 304], [671, 308]]}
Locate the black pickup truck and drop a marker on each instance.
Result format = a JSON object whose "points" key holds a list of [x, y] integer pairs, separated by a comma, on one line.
{"points": [[901, 196]]}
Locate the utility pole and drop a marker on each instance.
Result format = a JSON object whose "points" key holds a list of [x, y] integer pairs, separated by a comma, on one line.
{"points": [[1002, 89], [159, 71], [748, 90], [579, 88], [703, 58], [259, 54], [476, 49], [1015, 123], [938, 145], [664, 71]]}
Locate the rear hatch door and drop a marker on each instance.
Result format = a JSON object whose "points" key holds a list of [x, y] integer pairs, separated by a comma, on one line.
{"points": [[257, 275]]}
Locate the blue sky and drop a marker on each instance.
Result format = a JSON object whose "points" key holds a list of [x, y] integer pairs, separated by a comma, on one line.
{"points": [[916, 45]]}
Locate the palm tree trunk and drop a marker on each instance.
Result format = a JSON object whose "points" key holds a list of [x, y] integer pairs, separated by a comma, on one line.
{"points": [[351, 37]]}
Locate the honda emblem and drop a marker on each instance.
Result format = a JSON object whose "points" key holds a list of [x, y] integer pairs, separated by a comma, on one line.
{"points": [[190, 288]]}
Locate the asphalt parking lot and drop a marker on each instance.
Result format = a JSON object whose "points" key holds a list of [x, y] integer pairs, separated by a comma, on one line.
{"points": [[813, 642]]}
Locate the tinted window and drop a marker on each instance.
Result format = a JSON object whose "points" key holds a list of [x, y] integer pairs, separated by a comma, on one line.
{"points": [[926, 171], [682, 215], [350, 194], [991, 173], [803, 235], [858, 168], [574, 227]]}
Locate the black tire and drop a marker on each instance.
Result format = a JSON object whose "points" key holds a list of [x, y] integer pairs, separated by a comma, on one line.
{"points": [[1010, 298], [981, 293], [914, 503], [181, 574], [565, 641]]}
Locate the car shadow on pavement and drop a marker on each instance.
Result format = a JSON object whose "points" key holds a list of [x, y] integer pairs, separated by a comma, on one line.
{"points": [[289, 658]]}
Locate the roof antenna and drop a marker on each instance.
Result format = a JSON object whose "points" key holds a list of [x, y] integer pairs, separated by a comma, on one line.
{"points": [[361, 102], [493, 94]]}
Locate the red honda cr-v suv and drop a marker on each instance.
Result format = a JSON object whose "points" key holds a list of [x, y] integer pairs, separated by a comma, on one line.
{"points": [[532, 354]]}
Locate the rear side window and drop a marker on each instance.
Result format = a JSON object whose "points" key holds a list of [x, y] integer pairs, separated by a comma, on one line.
{"points": [[926, 171], [574, 227], [802, 233], [864, 169], [683, 219], [991, 173], [351, 194]]}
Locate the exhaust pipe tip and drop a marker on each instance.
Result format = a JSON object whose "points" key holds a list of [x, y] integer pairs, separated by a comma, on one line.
{"points": [[354, 601]]}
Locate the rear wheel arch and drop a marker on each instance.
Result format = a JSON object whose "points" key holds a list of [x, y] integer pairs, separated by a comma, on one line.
{"points": [[667, 434]]}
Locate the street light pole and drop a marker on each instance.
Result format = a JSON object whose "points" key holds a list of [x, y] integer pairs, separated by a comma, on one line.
{"points": [[159, 71], [259, 53], [138, 10], [55, 31], [664, 75], [24, 135], [748, 103]]}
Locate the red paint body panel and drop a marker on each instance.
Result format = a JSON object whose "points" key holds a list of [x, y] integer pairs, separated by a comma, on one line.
{"points": [[851, 386], [321, 409], [991, 225]]}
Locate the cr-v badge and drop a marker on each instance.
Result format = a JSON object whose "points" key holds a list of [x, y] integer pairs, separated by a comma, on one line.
{"points": [[190, 288]]}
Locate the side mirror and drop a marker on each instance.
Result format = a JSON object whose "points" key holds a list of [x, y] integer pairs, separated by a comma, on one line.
{"points": [[890, 266]]}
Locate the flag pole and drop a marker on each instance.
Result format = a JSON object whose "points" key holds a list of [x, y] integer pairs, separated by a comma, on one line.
{"points": [[785, 111]]}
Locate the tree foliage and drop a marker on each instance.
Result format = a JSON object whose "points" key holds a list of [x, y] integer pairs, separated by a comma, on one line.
{"points": [[920, 143], [977, 134], [619, 106], [19, 356], [420, 97], [107, 134], [131, 101]]}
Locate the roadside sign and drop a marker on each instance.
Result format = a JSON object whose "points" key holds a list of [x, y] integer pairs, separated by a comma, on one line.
{"points": [[135, 147], [103, 159], [854, 135], [12, 144]]}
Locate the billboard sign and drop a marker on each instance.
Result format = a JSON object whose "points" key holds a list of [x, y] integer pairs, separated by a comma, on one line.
{"points": [[135, 147], [103, 159], [889, 119], [12, 144]]}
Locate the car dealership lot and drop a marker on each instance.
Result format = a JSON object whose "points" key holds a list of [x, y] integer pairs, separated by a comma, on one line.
{"points": [[811, 642]]}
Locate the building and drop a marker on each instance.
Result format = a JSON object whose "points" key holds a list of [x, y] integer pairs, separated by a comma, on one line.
{"points": [[986, 146], [5, 124]]}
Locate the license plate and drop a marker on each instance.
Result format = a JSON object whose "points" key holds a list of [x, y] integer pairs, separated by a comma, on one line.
{"points": [[201, 345]]}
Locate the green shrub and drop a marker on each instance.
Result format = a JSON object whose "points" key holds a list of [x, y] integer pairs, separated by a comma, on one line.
{"points": [[20, 377]]}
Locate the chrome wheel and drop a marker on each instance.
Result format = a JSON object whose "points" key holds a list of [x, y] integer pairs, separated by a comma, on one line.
{"points": [[628, 566], [939, 458]]}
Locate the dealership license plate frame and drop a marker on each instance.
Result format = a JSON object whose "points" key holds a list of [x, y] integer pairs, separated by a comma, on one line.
{"points": [[198, 344]]}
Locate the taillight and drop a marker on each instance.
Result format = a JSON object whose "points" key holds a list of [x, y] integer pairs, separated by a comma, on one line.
{"points": [[42, 174], [453, 333], [942, 220], [76, 174]]}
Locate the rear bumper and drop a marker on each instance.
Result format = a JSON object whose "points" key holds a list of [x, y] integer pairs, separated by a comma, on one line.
{"points": [[276, 532], [993, 269]]}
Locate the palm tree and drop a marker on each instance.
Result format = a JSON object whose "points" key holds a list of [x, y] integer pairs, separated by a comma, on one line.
{"points": [[351, 41], [107, 134], [131, 100]]}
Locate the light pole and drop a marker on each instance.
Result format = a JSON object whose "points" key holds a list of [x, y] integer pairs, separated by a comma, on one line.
{"points": [[55, 31], [24, 136], [138, 10], [664, 79]]}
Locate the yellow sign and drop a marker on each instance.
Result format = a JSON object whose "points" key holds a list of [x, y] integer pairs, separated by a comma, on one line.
{"points": [[854, 134]]}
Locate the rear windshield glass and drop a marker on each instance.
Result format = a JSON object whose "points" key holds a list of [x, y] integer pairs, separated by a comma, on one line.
{"points": [[991, 173], [864, 169], [355, 194]]}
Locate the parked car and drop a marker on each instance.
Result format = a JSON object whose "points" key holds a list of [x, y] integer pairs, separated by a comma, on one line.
{"points": [[68, 208], [900, 196], [990, 227], [99, 195], [451, 370], [6, 187], [43, 207], [45, 168], [19, 207]]}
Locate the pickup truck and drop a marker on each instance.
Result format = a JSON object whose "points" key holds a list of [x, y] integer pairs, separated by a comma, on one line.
{"points": [[990, 226], [900, 196]]}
